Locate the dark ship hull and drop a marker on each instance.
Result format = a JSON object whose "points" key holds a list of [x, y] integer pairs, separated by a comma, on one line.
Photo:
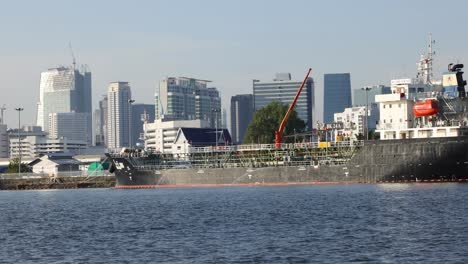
{"points": [[410, 160]]}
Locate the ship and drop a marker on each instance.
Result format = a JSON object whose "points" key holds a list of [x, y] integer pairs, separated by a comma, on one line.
{"points": [[423, 128]]}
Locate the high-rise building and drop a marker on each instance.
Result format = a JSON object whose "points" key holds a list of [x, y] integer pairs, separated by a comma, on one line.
{"points": [[187, 99], [118, 115], [64, 90], [141, 113], [4, 141], [241, 116], [73, 126], [282, 89], [337, 94], [103, 120]]}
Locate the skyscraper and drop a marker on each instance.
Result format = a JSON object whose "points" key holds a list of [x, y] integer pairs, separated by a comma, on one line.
{"points": [[103, 120], [337, 94], [140, 112], [4, 141], [118, 115], [64, 90], [241, 116], [282, 89], [187, 99]]}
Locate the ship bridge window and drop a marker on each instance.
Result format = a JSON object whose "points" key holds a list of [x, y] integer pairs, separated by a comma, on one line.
{"points": [[384, 106], [399, 105], [389, 105]]}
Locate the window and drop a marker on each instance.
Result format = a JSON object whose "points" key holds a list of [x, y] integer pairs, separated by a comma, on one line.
{"points": [[399, 105], [384, 106], [391, 120], [389, 105]]}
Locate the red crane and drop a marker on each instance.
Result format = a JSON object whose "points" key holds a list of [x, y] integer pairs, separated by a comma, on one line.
{"points": [[279, 133]]}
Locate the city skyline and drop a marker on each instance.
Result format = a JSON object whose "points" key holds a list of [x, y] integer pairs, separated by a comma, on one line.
{"points": [[231, 52]]}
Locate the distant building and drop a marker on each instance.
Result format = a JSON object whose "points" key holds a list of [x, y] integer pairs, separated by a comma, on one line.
{"points": [[187, 99], [97, 127], [140, 112], [103, 113], [241, 116], [337, 94], [187, 138], [73, 126], [4, 142], [282, 89], [118, 115], [33, 145], [353, 120], [160, 135], [53, 164], [224, 118], [359, 95], [64, 90]]}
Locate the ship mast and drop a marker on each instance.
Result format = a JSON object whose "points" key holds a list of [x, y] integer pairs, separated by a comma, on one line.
{"points": [[425, 63]]}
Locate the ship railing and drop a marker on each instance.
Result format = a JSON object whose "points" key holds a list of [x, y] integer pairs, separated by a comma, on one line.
{"points": [[260, 147]]}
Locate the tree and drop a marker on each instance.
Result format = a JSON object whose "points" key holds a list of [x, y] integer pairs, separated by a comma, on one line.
{"points": [[13, 166], [267, 120]]}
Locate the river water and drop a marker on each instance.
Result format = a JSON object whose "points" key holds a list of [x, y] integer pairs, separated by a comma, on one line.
{"points": [[385, 223]]}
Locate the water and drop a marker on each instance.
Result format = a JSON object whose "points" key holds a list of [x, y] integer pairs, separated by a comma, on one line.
{"points": [[407, 223]]}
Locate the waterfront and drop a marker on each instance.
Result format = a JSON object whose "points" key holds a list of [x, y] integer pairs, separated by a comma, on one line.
{"points": [[382, 223]]}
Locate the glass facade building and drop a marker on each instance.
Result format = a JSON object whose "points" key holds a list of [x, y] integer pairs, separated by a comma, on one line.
{"points": [[64, 90], [282, 89], [187, 99], [337, 94]]}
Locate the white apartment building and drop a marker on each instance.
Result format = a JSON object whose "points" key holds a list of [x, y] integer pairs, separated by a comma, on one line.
{"points": [[160, 135], [353, 120]]}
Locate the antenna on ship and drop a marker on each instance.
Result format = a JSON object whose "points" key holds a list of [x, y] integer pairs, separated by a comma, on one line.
{"points": [[2, 109], [425, 63]]}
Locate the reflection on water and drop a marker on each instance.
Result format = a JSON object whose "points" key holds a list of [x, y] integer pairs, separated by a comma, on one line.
{"points": [[383, 223]]}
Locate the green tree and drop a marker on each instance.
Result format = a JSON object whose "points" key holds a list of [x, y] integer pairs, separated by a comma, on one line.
{"points": [[267, 120], [13, 166]]}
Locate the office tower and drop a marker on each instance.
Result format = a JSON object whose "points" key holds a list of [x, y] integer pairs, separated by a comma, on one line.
{"points": [[103, 120], [337, 94], [97, 127], [72, 126], [241, 116], [184, 98], [141, 113], [64, 90], [118, 116], [4, 141], [283, 90]]}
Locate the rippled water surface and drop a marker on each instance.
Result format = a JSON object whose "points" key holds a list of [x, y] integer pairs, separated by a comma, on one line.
{"points": [[407, 223]]}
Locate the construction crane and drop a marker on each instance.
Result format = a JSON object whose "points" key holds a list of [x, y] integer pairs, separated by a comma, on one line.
{"points": [[279, 136], [72, 54], [2, 109]]}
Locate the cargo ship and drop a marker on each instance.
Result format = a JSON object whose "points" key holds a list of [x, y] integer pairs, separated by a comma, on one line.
{"points": [[423, 138]]}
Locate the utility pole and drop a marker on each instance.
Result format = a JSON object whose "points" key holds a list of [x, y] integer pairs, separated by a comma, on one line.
{"points": [[19, 109], [130, 102]]}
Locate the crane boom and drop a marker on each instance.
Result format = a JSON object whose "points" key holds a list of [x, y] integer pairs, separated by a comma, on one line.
{"points": [[279, 133]]}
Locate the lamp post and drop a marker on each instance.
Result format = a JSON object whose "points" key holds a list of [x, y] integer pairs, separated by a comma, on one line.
{"points": [[19, 109], [130, 101], [367, 89]]}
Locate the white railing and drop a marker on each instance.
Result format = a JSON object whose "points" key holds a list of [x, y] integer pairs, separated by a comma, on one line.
{"points": [[259, 147]]}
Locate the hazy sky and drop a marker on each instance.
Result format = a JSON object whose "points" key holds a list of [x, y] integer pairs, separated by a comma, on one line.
{"points": [[228, 42]]}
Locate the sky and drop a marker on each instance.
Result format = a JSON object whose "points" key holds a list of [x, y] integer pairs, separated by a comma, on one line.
{"points": [[228, 42]]}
